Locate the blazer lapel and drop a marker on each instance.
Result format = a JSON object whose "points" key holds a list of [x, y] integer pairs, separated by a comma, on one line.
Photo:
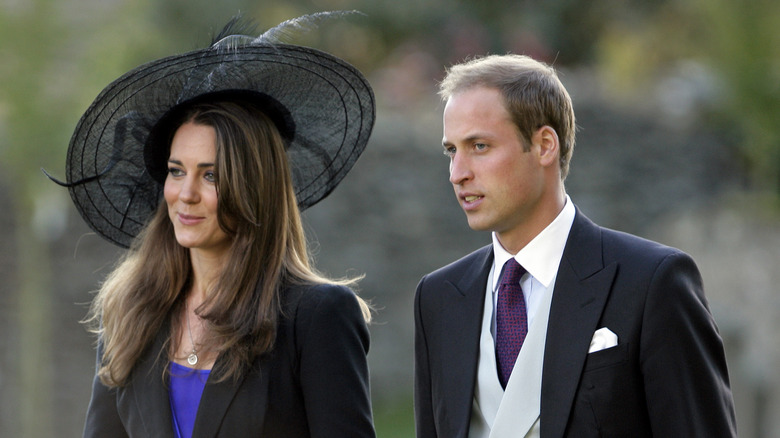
{"points": [[461, 320], [146, 397], [147, 401], [218, 397], [581, 290]]}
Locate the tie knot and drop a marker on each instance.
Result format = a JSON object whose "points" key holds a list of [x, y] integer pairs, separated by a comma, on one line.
{"points": [[512, 272]]}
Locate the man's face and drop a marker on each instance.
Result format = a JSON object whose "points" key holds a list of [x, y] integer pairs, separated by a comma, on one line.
{"points": [[497, 183]]}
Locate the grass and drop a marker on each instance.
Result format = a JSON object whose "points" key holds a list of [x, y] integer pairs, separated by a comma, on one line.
{"points": [[394, 418]]}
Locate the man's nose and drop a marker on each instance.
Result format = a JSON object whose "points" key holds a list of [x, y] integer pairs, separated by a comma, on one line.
{"points": [[460, 170]]}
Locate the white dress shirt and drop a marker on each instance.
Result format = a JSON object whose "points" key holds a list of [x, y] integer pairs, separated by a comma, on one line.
{"points": [[541, 258]]}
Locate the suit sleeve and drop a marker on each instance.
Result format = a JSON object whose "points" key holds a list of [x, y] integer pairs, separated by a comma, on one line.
{"points": [[102, 415], [423, 404], [333, 342], [682, 357]]}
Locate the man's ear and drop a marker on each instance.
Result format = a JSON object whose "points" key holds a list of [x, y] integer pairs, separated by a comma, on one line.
{"points": [[549, 147]]}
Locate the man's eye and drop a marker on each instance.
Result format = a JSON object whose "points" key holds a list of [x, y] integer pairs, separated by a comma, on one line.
{"points": [[450, 152], [480, 146]]}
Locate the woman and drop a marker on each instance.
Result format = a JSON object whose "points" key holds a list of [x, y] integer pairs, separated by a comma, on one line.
{"points": [[214, 323]]}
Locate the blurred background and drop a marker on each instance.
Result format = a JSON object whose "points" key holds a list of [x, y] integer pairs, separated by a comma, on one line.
{"points": [[677, 104]]}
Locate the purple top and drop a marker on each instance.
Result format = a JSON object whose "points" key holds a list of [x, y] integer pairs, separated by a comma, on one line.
{"points": [[186, 389]]}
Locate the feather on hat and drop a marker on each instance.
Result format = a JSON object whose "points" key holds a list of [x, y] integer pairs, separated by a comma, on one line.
{"points": [[323, 106]]}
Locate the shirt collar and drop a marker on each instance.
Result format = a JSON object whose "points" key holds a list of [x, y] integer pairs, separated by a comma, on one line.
{"points": [[542, 255]]}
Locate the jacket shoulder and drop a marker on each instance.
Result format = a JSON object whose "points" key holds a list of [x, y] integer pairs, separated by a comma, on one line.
{"points": [[618, 244], [455, 269]]}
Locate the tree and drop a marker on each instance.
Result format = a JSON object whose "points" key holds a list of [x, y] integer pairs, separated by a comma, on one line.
{"points": [[48, 74]]}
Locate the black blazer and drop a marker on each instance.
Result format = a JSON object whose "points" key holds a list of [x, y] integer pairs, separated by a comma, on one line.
{"points": [[667, 376], [313, 384]]}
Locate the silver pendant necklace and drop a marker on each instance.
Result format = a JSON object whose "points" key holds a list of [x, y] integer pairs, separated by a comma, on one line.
{"points": [[192, 359]]}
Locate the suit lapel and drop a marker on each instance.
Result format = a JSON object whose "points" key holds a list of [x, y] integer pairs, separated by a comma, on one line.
{"points": [[461, 321], [581, 290]]}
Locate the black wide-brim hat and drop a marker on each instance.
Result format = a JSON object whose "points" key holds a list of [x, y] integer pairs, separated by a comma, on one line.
{"points": [[323, 106]]}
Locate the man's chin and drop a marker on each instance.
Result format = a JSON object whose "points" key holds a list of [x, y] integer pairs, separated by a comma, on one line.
{"points": [[478, 225]]}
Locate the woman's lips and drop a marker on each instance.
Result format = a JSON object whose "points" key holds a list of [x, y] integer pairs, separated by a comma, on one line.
{"points": [[187, 219]]}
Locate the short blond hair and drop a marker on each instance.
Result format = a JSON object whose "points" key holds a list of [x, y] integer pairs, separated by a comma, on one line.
{"points": [[533, 95]]}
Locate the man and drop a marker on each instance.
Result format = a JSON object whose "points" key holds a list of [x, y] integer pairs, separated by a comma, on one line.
{"points": [[589, 331]]}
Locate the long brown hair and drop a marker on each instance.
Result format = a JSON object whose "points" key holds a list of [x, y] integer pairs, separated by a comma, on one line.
{"points": [[257, 208]]}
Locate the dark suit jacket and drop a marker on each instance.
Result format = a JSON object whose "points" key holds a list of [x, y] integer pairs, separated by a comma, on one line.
{"points": [[313, 384], [667, 376]]}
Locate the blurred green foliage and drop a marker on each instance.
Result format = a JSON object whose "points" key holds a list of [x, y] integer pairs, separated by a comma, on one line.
{"points": [[736, 48], [64, 52]]}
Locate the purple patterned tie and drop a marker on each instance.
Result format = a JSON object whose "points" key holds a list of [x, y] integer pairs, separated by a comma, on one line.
{"points": [[511, 319]]}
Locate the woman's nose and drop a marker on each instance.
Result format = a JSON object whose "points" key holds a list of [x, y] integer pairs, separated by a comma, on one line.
{"points": [[189, 191]]}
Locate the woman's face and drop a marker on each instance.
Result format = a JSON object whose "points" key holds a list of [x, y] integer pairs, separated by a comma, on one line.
{"points": [[190, 190]]}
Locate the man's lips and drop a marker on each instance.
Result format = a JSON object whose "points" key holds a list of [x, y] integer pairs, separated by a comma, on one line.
{"points": [[470, 200]]}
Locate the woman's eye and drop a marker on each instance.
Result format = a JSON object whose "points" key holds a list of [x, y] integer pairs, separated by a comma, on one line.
{"points": [[175, 171], [210, 177]]}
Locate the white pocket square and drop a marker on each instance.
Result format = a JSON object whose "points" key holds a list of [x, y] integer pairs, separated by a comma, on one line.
{"points": [[602, 339]]}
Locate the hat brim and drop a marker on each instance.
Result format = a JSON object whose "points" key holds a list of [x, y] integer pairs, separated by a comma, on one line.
{"points": [[331, 104]]}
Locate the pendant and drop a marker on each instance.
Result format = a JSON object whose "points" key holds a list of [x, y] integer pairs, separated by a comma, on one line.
{"points": [[192, 359]]}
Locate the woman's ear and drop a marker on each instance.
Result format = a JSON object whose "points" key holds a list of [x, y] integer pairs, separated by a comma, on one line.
{"points": [[549, 147]]}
